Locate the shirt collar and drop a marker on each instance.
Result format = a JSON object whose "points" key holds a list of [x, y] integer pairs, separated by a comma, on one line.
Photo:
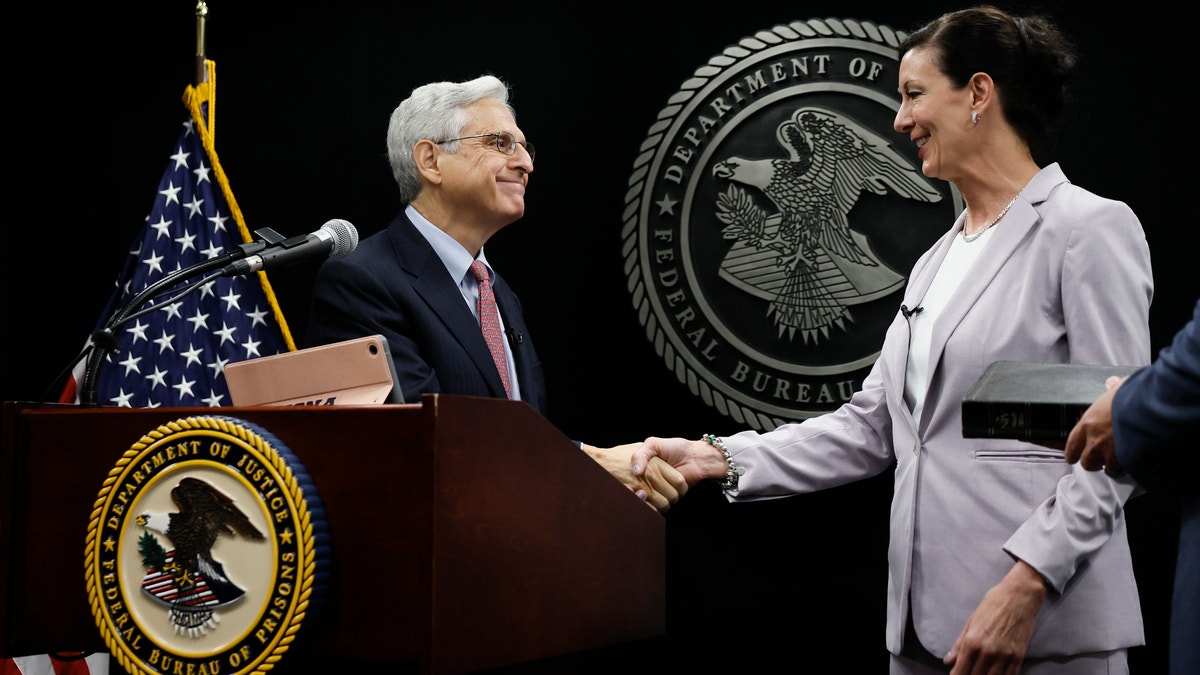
{"points": [[452, 254]]}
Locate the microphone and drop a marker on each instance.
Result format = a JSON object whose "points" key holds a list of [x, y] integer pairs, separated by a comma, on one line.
{"points": [[336, 239], [515, 337], [909, 313]]}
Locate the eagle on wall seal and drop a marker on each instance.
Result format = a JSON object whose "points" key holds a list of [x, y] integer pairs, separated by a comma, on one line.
{"points": [[808, 260]]}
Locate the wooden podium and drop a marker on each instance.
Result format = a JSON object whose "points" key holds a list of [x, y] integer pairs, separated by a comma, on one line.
{"points": [[465, 533]]}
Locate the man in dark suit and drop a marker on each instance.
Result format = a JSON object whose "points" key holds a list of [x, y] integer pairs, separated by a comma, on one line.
{"points": [[462, 166], [1149, 425]]}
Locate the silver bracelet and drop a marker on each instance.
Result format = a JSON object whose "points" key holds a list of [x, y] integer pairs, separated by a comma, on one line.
{"points": [[735, 471]]}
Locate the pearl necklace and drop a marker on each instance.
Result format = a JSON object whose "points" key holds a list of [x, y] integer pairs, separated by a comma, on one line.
{"points": [[970, 238]]}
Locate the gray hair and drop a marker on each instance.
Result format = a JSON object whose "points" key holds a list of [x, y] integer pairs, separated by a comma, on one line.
{"points": [[435, 112]]}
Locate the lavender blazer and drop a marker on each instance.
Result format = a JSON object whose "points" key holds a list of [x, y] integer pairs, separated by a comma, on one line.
{"points": [[1066, 278]]}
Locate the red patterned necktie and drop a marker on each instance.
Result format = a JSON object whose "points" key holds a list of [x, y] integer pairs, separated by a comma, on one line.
{"points": [[489, 322]]}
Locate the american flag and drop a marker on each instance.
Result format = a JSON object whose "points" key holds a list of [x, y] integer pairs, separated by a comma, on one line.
{"points": [[174, 352]]}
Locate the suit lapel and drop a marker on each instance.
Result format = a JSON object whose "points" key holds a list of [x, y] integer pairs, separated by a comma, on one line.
{"points": [[441, 293], [1018, 225], [514, 324]]}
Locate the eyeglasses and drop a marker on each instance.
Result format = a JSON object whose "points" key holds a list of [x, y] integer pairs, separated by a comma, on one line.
{"points": [[503, 141]]}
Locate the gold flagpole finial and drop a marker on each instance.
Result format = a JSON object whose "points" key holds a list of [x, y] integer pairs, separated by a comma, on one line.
{"points": [[201, 15]]}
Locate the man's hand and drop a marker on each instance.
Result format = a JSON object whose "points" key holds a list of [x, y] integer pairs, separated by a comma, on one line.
{"points": [[1091, 441], [660, 485]]}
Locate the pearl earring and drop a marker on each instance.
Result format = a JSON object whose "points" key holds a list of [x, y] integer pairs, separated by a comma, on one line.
{"points": [[975, 117]]}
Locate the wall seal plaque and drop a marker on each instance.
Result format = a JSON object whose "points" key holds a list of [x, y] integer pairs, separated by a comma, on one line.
{"points": [[772, 217]]}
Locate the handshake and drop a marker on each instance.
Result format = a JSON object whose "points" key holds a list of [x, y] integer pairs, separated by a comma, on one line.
{"points": [[660, 470]]}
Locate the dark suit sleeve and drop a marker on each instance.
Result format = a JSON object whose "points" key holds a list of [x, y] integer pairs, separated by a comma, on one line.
{"points": [[1156, 412]]}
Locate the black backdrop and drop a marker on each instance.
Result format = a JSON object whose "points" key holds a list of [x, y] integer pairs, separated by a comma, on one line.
{"points": [[303, 98]]}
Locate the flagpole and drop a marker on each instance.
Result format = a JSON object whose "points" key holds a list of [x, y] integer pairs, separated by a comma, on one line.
{"points": [[201, 15]]}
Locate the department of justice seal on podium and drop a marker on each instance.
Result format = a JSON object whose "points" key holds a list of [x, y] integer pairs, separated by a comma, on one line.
{"points": [[207, 550], [772, 217]]}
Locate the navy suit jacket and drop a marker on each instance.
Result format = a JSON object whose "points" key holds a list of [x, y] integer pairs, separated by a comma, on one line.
{"points": [[1156, 432], [393, 284]]}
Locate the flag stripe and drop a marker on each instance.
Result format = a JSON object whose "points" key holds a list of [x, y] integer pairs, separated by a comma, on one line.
{"points": [[44, 664]]}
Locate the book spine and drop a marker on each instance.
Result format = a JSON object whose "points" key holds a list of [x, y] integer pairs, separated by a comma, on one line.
{"points": [[1020, 420]]}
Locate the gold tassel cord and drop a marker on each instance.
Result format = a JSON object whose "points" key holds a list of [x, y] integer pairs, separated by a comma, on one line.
{"points": [[195, 97]]}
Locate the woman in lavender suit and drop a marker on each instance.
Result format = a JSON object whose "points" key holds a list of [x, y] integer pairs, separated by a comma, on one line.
{"points": [[1003, 558]]}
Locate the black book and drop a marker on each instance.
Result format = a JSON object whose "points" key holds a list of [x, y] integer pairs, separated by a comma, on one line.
{"points": [[1033, 401]]}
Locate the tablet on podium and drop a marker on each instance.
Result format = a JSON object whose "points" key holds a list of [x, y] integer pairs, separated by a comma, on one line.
{"points": [[352, 372]]}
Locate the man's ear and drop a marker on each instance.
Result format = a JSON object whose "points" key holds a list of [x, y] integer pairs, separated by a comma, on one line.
{"points": [[427, 158]]}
